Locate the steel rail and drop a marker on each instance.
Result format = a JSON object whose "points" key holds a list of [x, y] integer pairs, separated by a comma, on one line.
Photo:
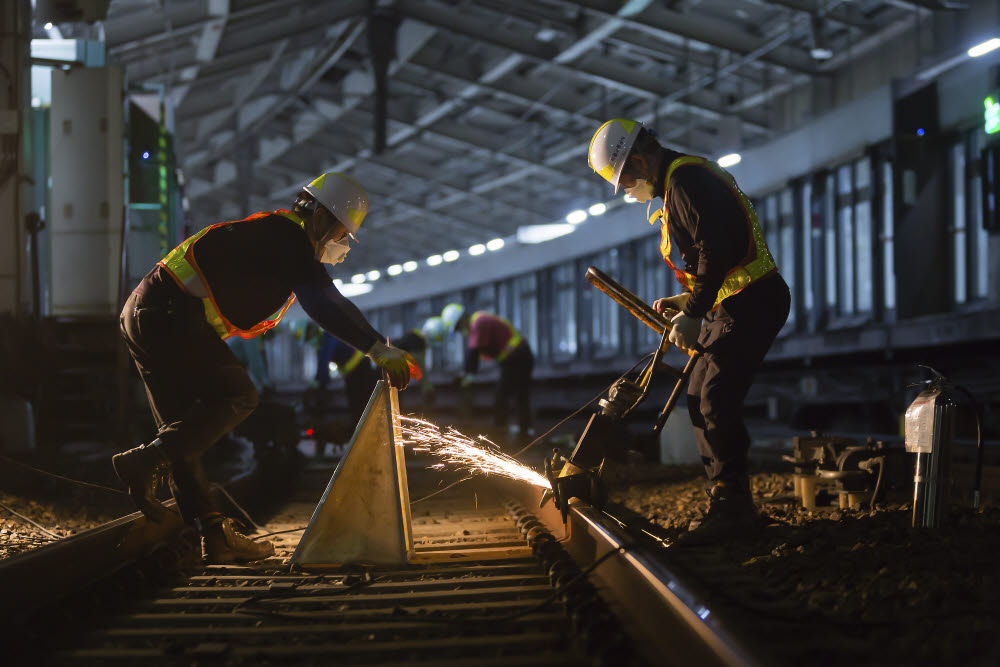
{"points": [[667, 616]]}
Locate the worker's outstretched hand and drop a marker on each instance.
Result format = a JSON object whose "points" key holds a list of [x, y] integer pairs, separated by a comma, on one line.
{"points": [[675, 302], [685, 331], [394, 361]]}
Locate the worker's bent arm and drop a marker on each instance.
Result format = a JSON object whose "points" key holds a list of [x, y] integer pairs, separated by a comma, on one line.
{"points": [[332, 311]]}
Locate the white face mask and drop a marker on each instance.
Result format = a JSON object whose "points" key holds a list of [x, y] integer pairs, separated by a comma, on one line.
{"points": [[642, 191], [334, 252]]}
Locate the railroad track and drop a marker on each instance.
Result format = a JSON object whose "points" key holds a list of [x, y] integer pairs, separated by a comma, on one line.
{"points": [[499, 582]]}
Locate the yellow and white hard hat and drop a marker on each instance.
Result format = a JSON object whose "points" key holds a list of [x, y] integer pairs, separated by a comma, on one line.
{"points": [[611, 146], [342, 196], [451, 314]]}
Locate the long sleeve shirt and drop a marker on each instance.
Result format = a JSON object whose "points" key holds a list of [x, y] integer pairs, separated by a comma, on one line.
{"points": [[252, 266], [708, 227], [488, 336]]}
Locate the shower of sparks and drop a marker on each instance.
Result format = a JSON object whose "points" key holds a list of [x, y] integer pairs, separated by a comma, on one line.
{"points": [[457, 450]]}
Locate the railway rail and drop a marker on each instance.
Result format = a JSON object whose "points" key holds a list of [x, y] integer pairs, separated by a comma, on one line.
{"points": [[496, 581]]}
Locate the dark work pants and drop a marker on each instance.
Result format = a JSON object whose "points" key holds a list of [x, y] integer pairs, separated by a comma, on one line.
{"points": [[359, 385], [197, 389], [515, 382], [735, 339]]}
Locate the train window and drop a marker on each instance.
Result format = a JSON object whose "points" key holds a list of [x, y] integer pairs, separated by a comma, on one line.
{"points": [[525, 315], [956, 164], [864, 252], [888, 248], [977, 230], [808, 242], [563, 313], [845, 235], [604, 323], [786, 240], [770, 224], [830, 227], [654, 280], [485, 298]]}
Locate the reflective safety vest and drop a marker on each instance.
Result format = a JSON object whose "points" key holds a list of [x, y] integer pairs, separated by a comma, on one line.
{"points": [[351, 363], [756, 264], [181, 265], [515, 335]]}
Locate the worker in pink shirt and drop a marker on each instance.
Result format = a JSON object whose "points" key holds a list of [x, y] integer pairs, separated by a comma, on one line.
{"points": [[492, 337]]}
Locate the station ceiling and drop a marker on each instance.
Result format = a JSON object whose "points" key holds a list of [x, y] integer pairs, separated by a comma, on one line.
{"points": [[489, 105]]}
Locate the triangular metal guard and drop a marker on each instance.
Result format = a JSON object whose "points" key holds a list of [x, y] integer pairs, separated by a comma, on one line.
{"points": [[363, 516]]}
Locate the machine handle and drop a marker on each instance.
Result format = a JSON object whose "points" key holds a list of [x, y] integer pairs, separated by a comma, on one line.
{"points": [[640, 309]]}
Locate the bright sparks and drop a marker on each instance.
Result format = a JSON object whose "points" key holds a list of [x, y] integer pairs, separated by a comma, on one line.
{"points": [[458, 450]]}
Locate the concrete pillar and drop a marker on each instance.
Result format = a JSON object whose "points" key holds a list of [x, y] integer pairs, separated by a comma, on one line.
{"points": [[15, 132]]}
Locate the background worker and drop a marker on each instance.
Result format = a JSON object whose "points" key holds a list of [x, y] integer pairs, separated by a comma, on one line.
{"points": [[233, 278], [733, 305], [492, 337], [360, 376], [417, 342]]}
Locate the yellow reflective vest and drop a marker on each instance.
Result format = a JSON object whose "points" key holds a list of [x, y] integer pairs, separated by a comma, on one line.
{"points": [[182, 267], [757, 263]]}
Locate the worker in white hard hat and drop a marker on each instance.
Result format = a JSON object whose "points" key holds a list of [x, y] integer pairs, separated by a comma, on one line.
{"points": [[234, 279], [733, 305], [492, 337]]}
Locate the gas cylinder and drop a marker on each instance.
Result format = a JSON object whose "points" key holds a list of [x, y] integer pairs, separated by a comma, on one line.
{"points": [[930, 434]]}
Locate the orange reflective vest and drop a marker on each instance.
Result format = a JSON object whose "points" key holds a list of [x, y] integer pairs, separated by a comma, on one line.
{"points": [[756, 264], [515, 335], [181, 265]]}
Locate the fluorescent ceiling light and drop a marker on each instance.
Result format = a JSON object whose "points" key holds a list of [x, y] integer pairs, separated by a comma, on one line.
{"points": [[358, 278], [820, 53], [356, 290], [48, 26], [729, 160], [629, 199], [434, 260], [494, 245], [409, 266], [477, 249], [984, 48], [338, 282], [451, 256], [374, 274], [542, 233], [576, 217], [597, 209], [395, 269]]}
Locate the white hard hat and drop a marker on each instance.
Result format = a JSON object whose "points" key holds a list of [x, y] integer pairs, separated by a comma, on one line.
{"points": [[451, 314], [434, 329], [341, 196], [611, 146]]}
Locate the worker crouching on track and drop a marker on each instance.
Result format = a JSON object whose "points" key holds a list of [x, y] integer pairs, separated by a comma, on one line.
{"points": [[733, 305], [233, 279], [492, 337]]}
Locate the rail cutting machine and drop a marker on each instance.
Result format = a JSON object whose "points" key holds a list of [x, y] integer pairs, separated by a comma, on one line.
{"points": [[579, 475]]}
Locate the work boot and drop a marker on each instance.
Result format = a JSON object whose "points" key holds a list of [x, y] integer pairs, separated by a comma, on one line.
{"points": [[223, 544], [140, 469], [731, 515]]}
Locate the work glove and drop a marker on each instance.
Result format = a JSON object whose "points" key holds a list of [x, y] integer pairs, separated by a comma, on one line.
{"points": [[685, 331], [397, 363], [676, 302]]}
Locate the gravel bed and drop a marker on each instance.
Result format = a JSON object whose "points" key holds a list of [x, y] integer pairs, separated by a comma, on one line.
{"points": [[897, 595], [18, 536]]}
